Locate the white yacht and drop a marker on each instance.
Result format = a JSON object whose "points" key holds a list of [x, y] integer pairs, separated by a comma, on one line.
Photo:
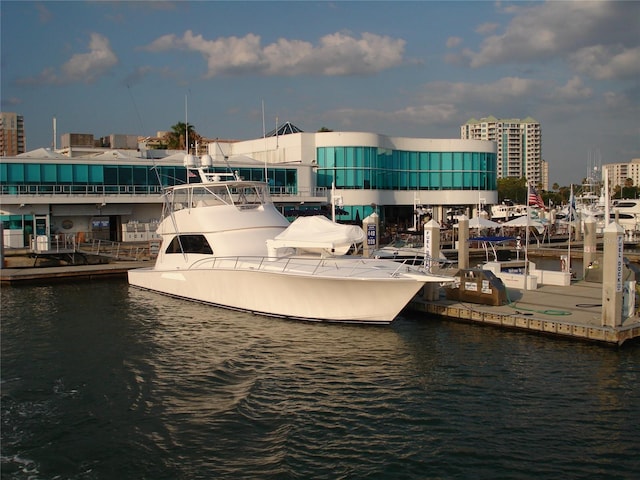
{"points": [[507, 210], [225, 244]]}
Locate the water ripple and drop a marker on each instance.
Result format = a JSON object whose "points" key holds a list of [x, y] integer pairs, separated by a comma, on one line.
{"points": [[104, 381]]}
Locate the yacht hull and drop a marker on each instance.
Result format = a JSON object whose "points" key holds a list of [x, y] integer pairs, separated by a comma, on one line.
{"points": [[299, 296]]}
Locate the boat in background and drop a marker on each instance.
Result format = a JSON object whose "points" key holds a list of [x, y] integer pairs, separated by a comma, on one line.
{"points": [[224, 243], [507, 210]]}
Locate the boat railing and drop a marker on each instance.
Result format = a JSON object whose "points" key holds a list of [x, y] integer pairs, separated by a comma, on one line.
{"points": [[312, 265]]}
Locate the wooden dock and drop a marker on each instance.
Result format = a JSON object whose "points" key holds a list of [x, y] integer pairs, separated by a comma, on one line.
{"points": [[572, 312], [24, 276]]}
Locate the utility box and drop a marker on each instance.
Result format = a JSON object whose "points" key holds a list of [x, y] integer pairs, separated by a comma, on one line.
{"points": [[477, 286]]}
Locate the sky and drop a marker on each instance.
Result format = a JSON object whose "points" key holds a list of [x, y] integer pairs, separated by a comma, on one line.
{"points": [[410, 69]]}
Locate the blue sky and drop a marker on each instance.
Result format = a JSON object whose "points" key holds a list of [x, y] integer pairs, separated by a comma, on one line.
{"points": [[415, 69]]}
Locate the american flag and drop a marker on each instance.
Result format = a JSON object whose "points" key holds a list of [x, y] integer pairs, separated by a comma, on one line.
{"points": [[535, 199]]}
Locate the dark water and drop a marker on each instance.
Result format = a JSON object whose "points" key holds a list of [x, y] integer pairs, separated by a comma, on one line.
{"points": [[101, 381]]}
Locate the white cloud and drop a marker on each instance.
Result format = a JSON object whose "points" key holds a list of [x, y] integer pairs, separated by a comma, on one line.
{"points": [[557, 29], [336, 54], [417, 115], [501, 91], [81, 67], [486, 28], [605, 63], [87, 67], [453, 42], [574, 89]]}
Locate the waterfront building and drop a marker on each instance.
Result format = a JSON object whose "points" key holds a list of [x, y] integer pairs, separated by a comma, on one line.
{"points": [[12, 135], [519, 145], [618, 173], [110, 193], [544, 169]]}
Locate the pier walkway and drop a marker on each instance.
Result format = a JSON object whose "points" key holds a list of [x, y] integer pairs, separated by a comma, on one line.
{"points": [[573, 311]]}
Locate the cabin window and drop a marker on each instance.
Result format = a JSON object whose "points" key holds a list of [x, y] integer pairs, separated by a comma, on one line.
{"points": [[190, 244]]}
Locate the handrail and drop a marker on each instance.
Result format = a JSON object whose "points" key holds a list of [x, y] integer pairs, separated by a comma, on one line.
{"points": [[52, 190], [285, 264]]}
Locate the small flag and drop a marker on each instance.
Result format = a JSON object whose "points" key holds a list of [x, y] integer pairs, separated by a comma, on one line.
{"points": [[192, 175], [535, 199]]}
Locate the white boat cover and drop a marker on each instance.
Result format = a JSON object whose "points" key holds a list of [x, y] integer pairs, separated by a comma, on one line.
{"points": [[318, 234]]}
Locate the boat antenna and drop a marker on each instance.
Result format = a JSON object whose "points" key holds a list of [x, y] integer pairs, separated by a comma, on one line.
{"points": [[186, 126], [264, 136]]}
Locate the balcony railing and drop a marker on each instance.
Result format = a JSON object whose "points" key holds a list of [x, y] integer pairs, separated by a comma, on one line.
{"points": [[278, 192]]}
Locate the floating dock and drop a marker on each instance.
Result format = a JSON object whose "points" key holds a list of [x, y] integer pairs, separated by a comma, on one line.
{"points": [[46, 275], [574, 312]]}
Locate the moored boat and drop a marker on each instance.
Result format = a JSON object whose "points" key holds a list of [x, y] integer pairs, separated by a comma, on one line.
{"points": [[224, 243]]}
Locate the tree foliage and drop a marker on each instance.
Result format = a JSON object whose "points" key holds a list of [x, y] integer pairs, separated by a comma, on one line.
{"points": [[175, 139]]}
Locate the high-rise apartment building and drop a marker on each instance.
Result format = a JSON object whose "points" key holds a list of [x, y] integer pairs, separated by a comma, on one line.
{"points": [[12, 138], [618, 173], [519, 145]]}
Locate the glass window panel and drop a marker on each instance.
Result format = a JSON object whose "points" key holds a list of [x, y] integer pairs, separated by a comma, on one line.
{"points": [[96, 174], [125, 175], [468, 163], [403, 180], [140, 176], [434, 179], [350, 157], [81, 174], [111, 175], [329, 157], [32, 172], [457, 179], [292, 180], [447, 160], [358, 180], [434, 161], [48, 173], [369, 154], [339, 157], [65, 174], [413, 181], [339, 178], [350, 178], [15, 173], [457, 161], [447, 180]]}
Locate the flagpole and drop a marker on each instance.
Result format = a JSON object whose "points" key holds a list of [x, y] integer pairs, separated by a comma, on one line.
{"points": [[571, 220], [526, 244]]}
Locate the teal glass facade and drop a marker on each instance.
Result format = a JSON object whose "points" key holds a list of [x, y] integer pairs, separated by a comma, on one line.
{"points": [[373, 168], [52, 178]]}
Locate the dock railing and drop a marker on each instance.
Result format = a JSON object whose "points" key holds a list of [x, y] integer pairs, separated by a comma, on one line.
{"points": [[70, 243]]}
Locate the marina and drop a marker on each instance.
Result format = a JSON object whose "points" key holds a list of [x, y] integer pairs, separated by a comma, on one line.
{"points": [[572, 312]]}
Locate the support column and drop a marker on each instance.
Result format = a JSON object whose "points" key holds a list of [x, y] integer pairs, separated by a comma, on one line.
{"points": [[432, 254], [463, 242], [612, 275], [589, 254], [371, 227]]}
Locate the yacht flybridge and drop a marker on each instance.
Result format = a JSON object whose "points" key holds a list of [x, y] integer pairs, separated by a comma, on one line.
{"points": [[224, 243]]}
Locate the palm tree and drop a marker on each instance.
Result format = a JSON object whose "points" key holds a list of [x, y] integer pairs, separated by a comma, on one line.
{"points": [[176, 137]]}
